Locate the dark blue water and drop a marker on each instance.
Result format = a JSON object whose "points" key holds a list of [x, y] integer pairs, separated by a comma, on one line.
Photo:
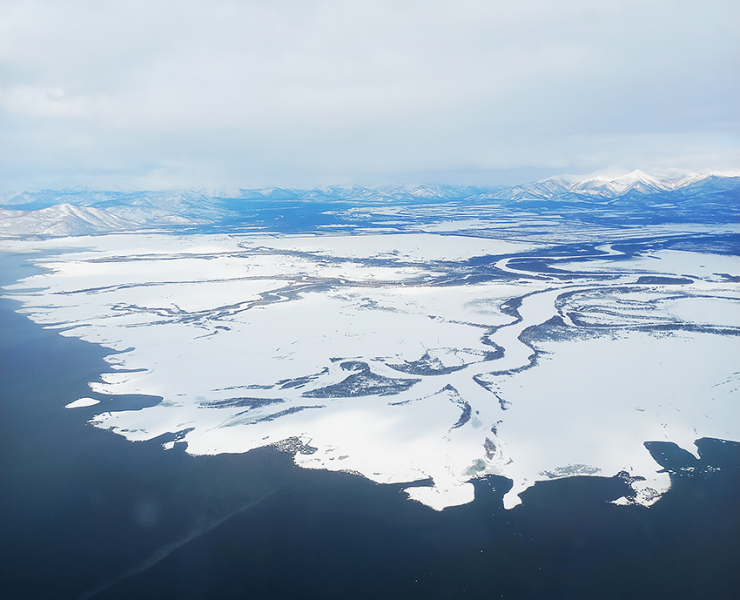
{"points": [[88, 514]]}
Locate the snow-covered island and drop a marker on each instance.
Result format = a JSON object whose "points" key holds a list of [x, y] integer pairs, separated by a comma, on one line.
{"points": [[437, 338]]}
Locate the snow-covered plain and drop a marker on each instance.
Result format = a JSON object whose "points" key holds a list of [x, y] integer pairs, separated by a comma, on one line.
{"points": [[386, 355]]}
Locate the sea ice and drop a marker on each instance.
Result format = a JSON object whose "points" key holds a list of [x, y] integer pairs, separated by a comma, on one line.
{"points": [[82, 402]]}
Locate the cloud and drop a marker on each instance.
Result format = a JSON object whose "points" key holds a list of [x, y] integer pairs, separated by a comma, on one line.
{"points": [[258, 93]]}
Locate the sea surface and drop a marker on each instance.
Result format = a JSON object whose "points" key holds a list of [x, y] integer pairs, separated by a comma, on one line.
{"points": [[87, 514]]}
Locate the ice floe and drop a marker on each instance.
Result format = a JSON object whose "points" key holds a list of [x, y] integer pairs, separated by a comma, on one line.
{"points": [[82, 403]]}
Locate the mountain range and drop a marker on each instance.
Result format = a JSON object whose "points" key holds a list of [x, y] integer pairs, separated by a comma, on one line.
{"points": [[631, 198]]}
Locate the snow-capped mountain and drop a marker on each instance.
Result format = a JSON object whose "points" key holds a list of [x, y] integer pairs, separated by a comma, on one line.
{"points": [[609, 184], [634, 197], [69, 213], [636, 180], [61, 220], [604, 186]]}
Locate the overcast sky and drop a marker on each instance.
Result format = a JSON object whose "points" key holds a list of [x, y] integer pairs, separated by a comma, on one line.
{"points": [[153, 94]]}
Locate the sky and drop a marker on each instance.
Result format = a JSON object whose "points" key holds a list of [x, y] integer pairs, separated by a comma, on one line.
{"points": [[160, 94]]}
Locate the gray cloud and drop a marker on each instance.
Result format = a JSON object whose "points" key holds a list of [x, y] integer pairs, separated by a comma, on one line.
{"points": [[158, 94]]}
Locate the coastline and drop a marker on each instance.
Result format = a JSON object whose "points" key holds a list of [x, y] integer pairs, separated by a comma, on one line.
{"points": [[85, 509]]}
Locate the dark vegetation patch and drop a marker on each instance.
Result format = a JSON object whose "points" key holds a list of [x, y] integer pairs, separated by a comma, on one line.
{"points": [[467, 411], [428, 365], [511, 307], [248, 403], [497, 352], [362, 382], [504, 404], [653, 280], [299, 382], [288, 411], [555, 330], [490, 447]]}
